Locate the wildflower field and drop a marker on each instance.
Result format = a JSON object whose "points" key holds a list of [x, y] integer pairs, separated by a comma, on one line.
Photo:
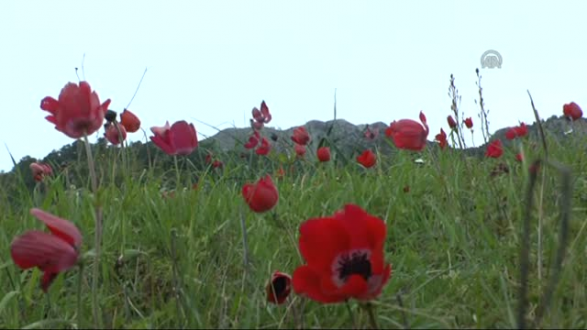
{"points": [[426, 237]]}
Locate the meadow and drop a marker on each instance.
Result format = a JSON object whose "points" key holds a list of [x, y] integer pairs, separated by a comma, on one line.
{"points": [[497, 241]]}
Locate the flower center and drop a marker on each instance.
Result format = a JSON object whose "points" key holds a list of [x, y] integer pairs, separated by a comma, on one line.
{"points": [[279, 285], [356, 262]]}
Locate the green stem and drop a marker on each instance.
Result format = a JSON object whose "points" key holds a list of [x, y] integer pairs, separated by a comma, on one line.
{"points": [[80, 278], [351, 314], [177, 176], [97, 234], [372, 318]]}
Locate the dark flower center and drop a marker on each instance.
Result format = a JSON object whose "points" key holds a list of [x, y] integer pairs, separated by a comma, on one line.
{"points": [[279, 285], [356, 263]]}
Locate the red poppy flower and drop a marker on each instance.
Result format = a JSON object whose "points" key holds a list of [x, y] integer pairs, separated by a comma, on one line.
{"points": [[253, 140], [78, 110], [367, 158], [264, 148], [217, 164], [130, 121], [441, 138], [51, 253], [371, 133], [409, 134], [40, 171], [572, 111], [300, 136], [323, 154], [518, 131], [111, 134], [261, 196], [262, 116], [469, 122], [344, 257], [279, 288], [179, 139], [300, 149], [494, 149], [451, 122]]}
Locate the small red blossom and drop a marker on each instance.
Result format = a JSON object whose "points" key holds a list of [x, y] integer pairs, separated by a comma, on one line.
{"points": [[78, 110], [520, 157], [51, 253], [323, 154], [261, 196], [279, 288], [451, 122], [469, 122], [260, 116], [112, 133], [367, 158], [40, 171], [253, 140], [572, 111], [518, 131], [409, 134], [344, 256], [178, 139], [130, 121], [264, 148], [300, 136], [300, 149], [441, 138], [280, 173], [494, 149]]}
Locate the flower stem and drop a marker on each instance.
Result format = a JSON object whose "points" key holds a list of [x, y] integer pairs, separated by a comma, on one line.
{"points": [[80, 278], [98, 234], [372, 318], [176, 174]]}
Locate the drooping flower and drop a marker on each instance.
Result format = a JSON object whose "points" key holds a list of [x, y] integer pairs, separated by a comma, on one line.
{"points": [[112, 135], [40, 171], [572, 111], [451, 122], [518, 131], [264, 148], [494, 149], [367, 158], [344, 257], [261, 117], [469, 122], [279, 288], [323, 154], [300, 136], [178, 139], [409, 134], [51, 253], [78, 110], [130, 121], [261, 196], [300, 149], [253, 140], [441, 138]]}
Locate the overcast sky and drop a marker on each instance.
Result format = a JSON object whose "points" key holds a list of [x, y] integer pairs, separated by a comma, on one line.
{"points": [[213, 61]]}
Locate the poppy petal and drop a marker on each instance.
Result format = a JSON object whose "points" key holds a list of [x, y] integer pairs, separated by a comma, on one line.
{"points": [[307, 282], [45, 251], [320, 250], [61, 228]]}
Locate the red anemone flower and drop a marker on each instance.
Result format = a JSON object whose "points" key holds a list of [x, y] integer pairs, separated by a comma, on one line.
{"points": [[253, 140], [262, 116], [112, 135], [179, 139], [264, 148], [441, 138], [572, 111], [344, 256], [494, 149], [51, 253], [78, 110], [40, 171], [409, 134], [300, 136], [518, 131], [469, 122], [130, 121], [367, 158], [261, 196], [451, 122], [300, 149], [323, 154], [279, 288]]}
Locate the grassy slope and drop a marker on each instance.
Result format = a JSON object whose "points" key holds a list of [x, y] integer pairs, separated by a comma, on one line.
{"points": [[453, 240]]}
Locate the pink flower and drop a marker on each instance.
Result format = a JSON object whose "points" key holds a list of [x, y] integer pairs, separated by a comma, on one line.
{"points": [[179, 139]]}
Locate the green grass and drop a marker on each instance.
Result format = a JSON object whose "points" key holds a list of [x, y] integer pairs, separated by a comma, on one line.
{"points": [[454, 242]]}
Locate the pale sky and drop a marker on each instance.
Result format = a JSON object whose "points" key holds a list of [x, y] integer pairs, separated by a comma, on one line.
{"points": [[213, 61]]}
